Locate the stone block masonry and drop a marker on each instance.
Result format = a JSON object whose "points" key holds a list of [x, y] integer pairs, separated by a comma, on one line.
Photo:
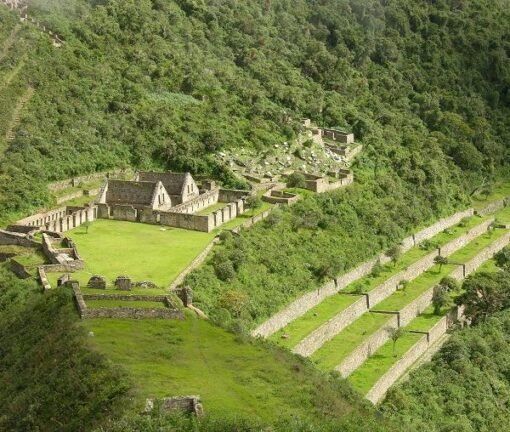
{"points": [[309, 300]]}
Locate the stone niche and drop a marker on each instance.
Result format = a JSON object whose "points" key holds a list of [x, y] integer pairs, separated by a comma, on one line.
{"points": [[97, 282], [123, 283]]}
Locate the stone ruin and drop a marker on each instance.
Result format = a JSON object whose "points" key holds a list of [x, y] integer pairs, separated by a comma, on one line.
{"points": [[123, 283], [185, 294], [186, 404], [97, 282], [62, 280], [146, 284]]}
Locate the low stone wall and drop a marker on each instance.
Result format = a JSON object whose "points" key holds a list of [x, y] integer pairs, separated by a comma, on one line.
{"points": [[252, 221], [69, 197], [132, 313], [186, 404], [76, 181], [199, 203], [330, 328], [280, 197], [125, 297], [19, 269], [462, 241], [61, 219], [16, 239], [43, 278], [309, 300], [359, 355], [494, 207], [194, 264], [380, 388]]}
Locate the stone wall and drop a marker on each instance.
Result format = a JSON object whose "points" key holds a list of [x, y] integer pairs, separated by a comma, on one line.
{"points": [[124, 213], [186, 404], [19, 269], [199, 203], [8, 238], [279, 197], [380, 388], [494, 207], [76, 181], [462, 241], [441, 225], [368, 347], [194, 264], [309, 300], [330, 328], [61, 219], [43, 278]]}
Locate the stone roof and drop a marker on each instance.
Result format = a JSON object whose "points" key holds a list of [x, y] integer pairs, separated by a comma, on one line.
{"points": [[130, 192], [174, 182]]}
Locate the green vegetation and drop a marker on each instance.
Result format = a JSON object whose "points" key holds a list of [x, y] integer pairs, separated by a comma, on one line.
{"points": [[100, 304], [231, 376], [312, 319], [364, 378], [334, 351], [143, 252]]}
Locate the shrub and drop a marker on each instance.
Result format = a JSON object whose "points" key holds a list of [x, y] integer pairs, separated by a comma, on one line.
{"points": [[225, 270], [296, 180], [253, 202]]}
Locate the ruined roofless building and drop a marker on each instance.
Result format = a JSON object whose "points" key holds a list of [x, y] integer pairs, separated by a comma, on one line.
{"points": [[139, 194], [180, 186]]}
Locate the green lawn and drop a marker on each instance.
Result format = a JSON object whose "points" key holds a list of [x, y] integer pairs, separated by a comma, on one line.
{"points": [[333, 352], [192, 357], [141, 251], [211, 209], [364, 378], [312, 319], [99, 304], [425, 321], [476, 246], [503, 216]]}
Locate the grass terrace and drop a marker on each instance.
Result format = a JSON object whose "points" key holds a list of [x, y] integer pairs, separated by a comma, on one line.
{"points": [[141, 251], [337, 349], [476, 246], [331, 306], [364, 378], [500, 191], [304, 325]]}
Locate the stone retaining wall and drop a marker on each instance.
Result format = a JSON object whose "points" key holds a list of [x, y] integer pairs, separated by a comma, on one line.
{"points": [[330, 328], [125, 297], [19, 269], [306, 302], [43, 278], [194, 264], [8, 238], [494, 207], [358, 356], [335, 325], [380, 388]]}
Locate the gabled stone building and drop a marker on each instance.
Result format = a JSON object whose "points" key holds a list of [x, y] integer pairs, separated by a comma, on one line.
{"points": [[180, 186], [138, 194]]}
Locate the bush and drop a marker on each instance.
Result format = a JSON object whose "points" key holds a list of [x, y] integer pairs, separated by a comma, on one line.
{"points": [[296, 180], [225, 270], [253, 202]]}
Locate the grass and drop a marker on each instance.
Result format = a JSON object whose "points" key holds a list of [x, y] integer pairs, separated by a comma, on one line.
{"points": [[364, 378], [301, 327], [33, 259], [244, 217], [501, 190], [426, 320], [100, 304], [167, 358], [314, 318], [333, 352], [476, 246], [211, 209], [503, 216], [141, 251]]}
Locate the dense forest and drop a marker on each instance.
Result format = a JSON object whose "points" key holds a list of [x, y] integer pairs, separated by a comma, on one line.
{"points": [[424, 85]]}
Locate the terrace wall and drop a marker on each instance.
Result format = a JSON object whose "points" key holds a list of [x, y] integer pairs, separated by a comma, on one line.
{"points": [[494, 207], [380, 388], [309, 300], [332, 327], [19, 269], [359, 355], [8, 238]]}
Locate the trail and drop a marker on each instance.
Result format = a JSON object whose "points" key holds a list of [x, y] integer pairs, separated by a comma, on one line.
{"points": [[12, 74], [17, 113], [9, 42]]}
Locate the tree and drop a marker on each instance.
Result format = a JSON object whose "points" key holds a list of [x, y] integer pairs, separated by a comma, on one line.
{"points": [[449, 283], [253, 202], [86, 225], [395, 334], [440, 261], [297, 180], [225, 270], [485, 294], [394, 254], [440, 298], [234, 301], [502, 259]]}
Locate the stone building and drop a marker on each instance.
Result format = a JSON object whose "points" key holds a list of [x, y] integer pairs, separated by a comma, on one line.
{"points": [[138, 194], [180, 186]]}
